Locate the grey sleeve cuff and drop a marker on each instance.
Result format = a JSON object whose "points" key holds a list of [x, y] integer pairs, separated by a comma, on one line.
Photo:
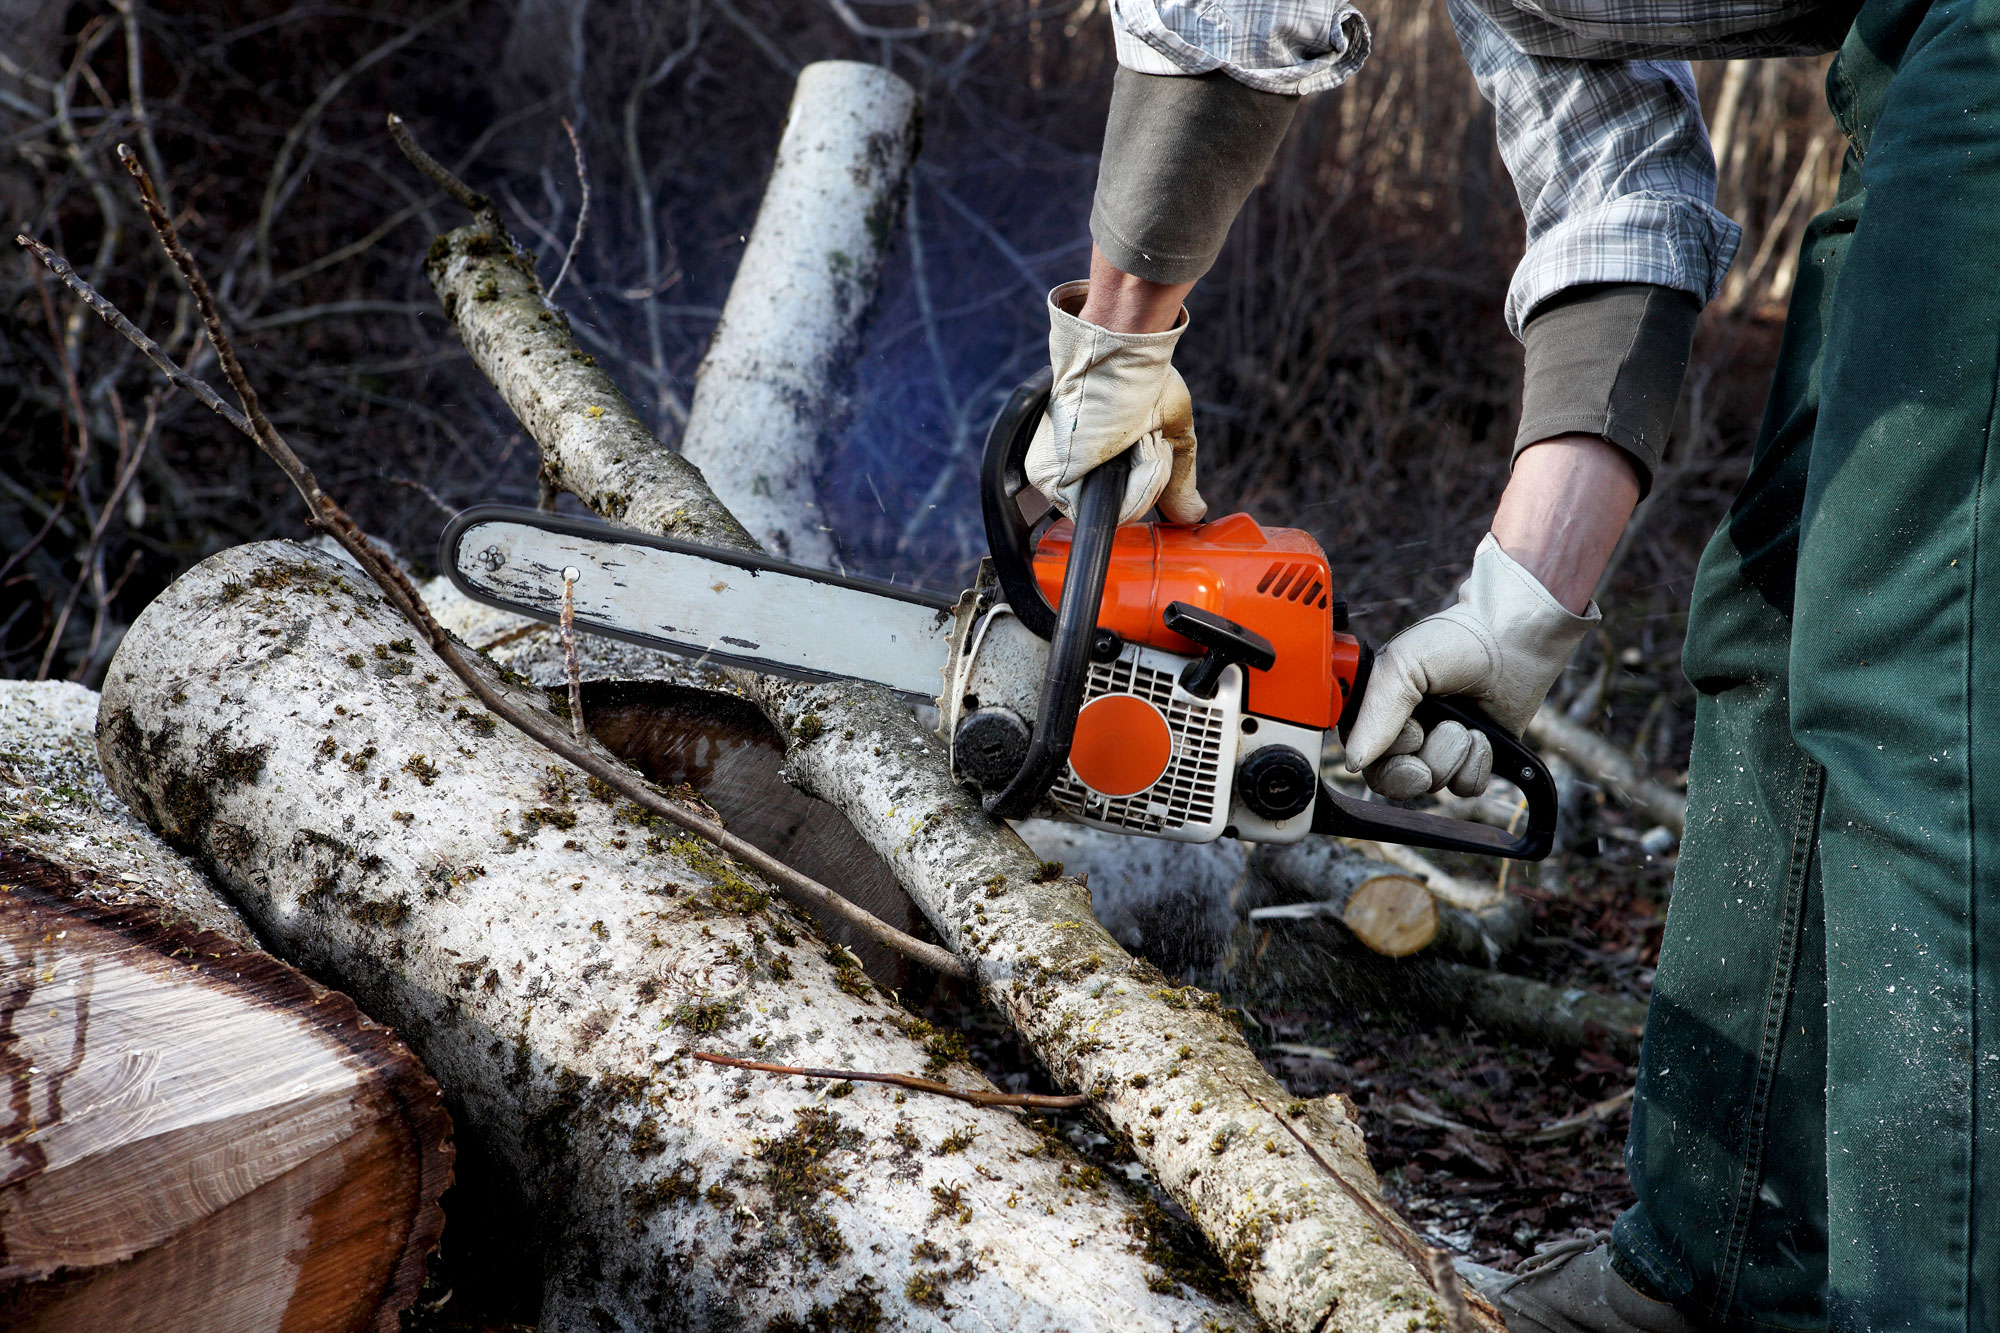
{"points": [[1608, 359], [1181, 153]]}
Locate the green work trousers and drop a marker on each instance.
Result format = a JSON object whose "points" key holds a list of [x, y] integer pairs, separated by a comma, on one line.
{"points": [[1816, 1137]]}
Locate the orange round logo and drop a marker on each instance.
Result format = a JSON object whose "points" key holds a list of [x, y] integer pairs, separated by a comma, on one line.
{"points": [[1122, 745]]}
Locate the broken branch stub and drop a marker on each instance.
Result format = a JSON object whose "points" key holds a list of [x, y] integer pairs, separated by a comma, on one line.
{"points": [[556, 956], [772, 387]]}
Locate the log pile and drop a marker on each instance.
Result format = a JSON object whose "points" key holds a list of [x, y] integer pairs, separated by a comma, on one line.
{"points": [[557, 961], [198, 1138]]}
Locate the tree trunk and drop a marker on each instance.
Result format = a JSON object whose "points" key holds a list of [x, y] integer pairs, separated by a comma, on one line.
{"points": [[558, 961], [199, 1139], [1171, 1073], [776, 368]]}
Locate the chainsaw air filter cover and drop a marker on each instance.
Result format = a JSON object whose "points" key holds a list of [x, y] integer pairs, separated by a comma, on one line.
{"points": [[1149, 757]]}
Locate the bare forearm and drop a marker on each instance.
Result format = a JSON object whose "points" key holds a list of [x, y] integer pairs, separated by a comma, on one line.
{"points": [[1126, 304], [1563, 511]]}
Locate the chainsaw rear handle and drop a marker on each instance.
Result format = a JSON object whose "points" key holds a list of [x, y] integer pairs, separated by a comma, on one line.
{"points": [[1347, 817], [1069, 651]]}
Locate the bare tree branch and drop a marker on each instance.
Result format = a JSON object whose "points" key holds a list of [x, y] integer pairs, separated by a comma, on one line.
{"points": [[1035, 1100]]}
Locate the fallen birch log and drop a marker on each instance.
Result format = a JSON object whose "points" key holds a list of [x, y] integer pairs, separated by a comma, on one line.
{"points": [[199, 1139], [1609, 767], [1171, 1072], [1478, 922], [772, 386], [558, 960]]}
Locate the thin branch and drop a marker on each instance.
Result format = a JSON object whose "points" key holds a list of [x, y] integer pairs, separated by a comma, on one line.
{"points": [[90, 565], [276, 187], [582, 208], [1037, 1101], [73, 460], [570, 665], [402, 594], [471, 200], [135, 84], [152, 351], [1392, 1230]]}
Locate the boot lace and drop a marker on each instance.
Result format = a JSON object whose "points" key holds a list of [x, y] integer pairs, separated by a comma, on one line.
{"points": [[1551, 1255]]}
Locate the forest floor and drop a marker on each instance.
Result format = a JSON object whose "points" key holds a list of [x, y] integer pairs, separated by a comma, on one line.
{"points": [[1457, 1119]]}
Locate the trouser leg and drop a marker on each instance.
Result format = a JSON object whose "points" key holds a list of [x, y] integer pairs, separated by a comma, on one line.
{"points": [[1894, 635], [1726, 1151], [1885, 582]]}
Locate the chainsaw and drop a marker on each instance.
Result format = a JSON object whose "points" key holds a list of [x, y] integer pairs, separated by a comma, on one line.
{"points": [[1175, 681]]}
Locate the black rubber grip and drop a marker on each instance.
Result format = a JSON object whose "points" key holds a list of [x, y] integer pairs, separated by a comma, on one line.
{"points": [[1348, 817]]}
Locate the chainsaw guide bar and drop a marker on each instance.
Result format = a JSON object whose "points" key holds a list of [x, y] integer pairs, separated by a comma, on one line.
{"points": [[710, 605]]}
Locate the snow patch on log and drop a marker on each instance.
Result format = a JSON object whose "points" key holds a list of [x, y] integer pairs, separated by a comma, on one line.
{"points": [[56, 805], [556, 960]]}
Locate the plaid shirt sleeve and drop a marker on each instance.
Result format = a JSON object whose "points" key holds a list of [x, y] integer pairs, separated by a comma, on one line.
{"points": [[1275, 46], [1611, 163]]}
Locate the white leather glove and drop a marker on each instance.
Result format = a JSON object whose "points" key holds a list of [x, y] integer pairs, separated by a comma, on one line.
{"points": [[1113, 392], [1503, 644]]}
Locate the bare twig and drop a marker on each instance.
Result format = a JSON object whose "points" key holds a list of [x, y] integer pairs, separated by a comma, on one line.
{"points": [[152, 351], [471, 200], [582, 208], [90, 563], [1571, 1126], [280, 181], [335, 521], [977, 1097], [73, 459]]}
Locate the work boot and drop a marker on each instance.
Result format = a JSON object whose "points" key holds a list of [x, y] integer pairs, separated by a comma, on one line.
{"points": [[1569, 1287]]}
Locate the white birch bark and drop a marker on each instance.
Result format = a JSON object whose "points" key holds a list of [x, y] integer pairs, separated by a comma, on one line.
{"points": [[556, 965], [772, 386]]}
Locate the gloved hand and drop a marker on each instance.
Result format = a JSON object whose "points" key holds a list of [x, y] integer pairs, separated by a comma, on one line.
{"points": [[1113, 392], [1503, 644]]}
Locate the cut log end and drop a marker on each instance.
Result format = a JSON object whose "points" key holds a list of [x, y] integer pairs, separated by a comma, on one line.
{"points": [[198, 1136], [1392, 914]]}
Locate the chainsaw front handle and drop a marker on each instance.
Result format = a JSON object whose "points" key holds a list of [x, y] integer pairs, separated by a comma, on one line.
{"points": [[1003, 476], [1349, 817], [1069, 650]]}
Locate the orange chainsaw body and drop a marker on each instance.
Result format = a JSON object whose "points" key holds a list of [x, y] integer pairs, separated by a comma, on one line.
{"points": [[1275, 581]]}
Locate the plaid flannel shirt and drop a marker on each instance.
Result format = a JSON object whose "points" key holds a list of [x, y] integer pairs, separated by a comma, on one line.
{"points": [[1594, 103]]}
